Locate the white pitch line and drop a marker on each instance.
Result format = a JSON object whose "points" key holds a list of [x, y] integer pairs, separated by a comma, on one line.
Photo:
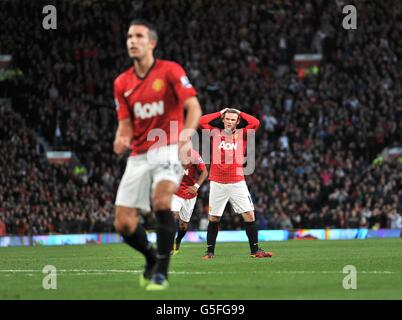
{"points": [[111, 271]]}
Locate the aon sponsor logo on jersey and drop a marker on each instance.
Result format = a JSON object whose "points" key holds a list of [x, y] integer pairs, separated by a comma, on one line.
{"points": [[228, 146], [149, 110]]}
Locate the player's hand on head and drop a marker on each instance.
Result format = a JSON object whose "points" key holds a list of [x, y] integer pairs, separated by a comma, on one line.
{"points": [[223, 111], [121, 144]]}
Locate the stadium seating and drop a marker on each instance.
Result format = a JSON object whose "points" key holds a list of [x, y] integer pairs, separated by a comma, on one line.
{"points": [[319, 132]]}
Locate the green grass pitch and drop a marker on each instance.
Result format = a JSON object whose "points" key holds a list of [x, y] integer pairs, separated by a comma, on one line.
{"points": [[298, 270]]}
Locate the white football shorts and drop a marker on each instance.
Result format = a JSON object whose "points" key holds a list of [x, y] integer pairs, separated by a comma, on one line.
{"points": [[236, 193], [183, 206], [143, 172]]}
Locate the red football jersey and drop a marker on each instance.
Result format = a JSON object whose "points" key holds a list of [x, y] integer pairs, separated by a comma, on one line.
{"points": [[153, 102], [189, 176], [228, 150]]}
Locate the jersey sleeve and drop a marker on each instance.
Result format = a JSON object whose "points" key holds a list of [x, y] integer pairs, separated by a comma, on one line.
{"points": [[252, 122], [206, 119], [197, 161], [200, 164], [122, 109], [181, 84]]}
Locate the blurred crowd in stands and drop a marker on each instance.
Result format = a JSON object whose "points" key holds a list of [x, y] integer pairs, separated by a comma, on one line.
{"points": [[319, 133]]}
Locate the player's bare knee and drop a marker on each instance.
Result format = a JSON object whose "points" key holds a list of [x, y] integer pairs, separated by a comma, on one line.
{"points": [[118, 226], [183, 225], [214, 218], [161, 202], [125, 221], [125, 226], [249, 216], [162, 195]]}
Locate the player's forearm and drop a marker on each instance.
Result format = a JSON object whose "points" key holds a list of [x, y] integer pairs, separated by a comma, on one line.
{"points": [[253, 122], [124, 129], [202, 177], [124, 134], [194, 113]]}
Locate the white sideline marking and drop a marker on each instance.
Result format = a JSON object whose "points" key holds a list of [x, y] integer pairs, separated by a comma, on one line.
{"points": [[111, 271]]}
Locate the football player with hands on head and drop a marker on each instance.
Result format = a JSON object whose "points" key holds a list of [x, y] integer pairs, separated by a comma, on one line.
{"points": [[227, 176]]}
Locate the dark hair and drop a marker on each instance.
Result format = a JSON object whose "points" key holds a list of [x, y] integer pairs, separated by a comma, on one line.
{"points": [[142, 22]]}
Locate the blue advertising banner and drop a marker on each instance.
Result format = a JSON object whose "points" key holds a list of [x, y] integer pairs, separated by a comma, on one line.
{"points": [[14, 241], [72, 239], [384, 233], [201, 236]]}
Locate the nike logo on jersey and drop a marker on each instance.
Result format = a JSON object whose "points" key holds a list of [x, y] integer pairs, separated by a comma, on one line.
{"points": [[128, 92]]}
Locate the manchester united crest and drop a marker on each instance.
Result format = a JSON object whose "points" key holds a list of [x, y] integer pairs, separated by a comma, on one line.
{"points": [[158, 85]]}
